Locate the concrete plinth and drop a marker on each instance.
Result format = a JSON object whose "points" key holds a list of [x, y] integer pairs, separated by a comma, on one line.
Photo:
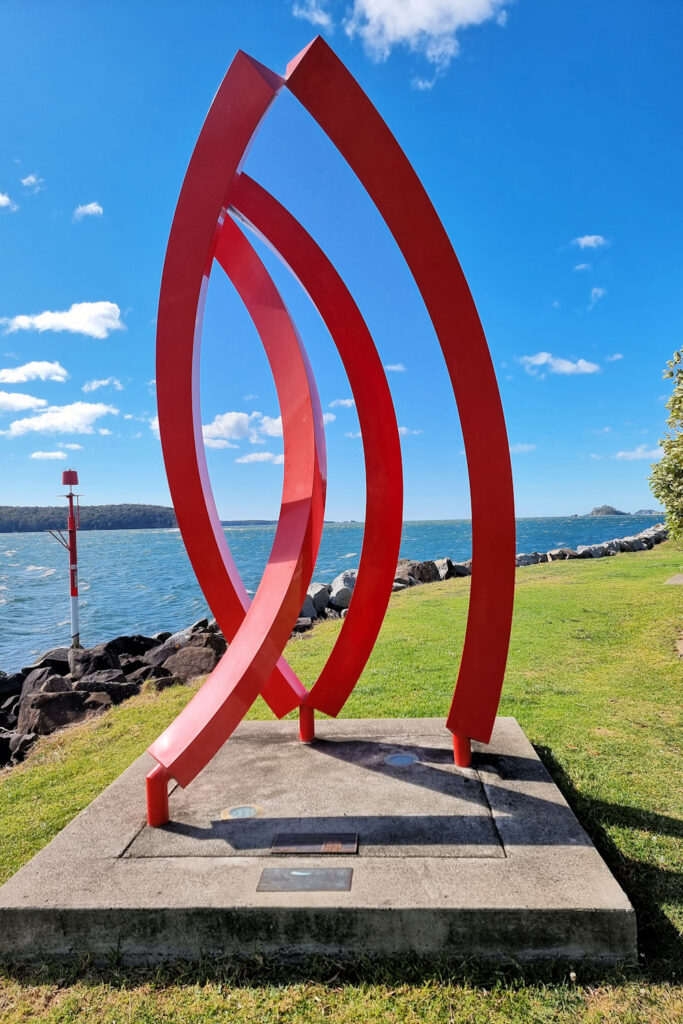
{"points": [[487, 861]]}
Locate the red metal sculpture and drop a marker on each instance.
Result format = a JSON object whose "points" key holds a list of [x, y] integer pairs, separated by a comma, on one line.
{"points": [[214, 191]]}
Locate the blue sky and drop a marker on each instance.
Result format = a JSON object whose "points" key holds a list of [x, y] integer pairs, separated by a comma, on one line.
{"points": [[548, 135]]}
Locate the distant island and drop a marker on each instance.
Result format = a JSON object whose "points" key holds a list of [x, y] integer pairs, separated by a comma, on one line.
{"points": [[32, 519], [606, 510]]}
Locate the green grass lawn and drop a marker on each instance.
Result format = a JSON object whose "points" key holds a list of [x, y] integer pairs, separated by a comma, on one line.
{"points": [[594, 679]]}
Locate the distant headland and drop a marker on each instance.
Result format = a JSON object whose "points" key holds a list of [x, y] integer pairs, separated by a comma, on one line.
{"points": [[610, 510], [31, 519]]}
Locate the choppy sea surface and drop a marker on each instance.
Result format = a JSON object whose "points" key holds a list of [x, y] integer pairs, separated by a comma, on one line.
{"points": [[141, 581]]}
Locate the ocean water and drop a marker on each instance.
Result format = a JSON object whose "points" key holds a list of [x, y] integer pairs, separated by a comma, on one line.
{"points": [[141, 581]]}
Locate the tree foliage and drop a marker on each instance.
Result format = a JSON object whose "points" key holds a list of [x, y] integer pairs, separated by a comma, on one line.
{"points": [[666, 480], [23, 519]]}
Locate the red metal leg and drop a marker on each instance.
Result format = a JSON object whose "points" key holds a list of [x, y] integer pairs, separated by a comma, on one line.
{"points": [[306, 724], [462, 750], [157, 796]]}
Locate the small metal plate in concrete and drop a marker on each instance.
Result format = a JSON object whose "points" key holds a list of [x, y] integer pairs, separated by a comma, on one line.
{"points": [[305, 880], [487, 861], [315, 842]]}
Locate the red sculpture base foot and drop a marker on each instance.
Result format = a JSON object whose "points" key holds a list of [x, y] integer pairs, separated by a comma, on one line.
{"points": [[157, 797], [462, 750], [306, 724]]}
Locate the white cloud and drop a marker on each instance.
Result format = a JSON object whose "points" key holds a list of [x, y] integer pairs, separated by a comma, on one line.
{"points": [[346, 403], [250, 398], [33, 182], [519, 449], [276, 460], [427, 27], [71, 447], [18, 403], [349, 433], [154, 426], [94, 385], [555, 364], [77, 418], [271, 426], [329, 417], [33, 371], [641, 452], [88, 210], [613, 359], [104, 431], [6, 202], [217, 442], [394, 368], [229, 426], [95, 319], [594, 456], [47, 455], [596, 295], [582, 266], [589, 241], [405, 430], [423, 84], [313, 11]]}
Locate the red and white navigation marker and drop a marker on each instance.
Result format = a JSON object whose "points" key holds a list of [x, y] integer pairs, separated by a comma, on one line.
{"points": [[69, 479]]}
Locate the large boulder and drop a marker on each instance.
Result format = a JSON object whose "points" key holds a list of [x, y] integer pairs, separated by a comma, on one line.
{"points": [[190, 662], [97, 702], [595, 551], [444, 567], [93, 680], [10, 683], [43, 680], [423, 572], [147, 672], [341, 589], [559, 554], [319, 594], [83, 662], [527, 559], [208, 638], [131, 645], [57, 660], [462, 568], [20, 744], [42, 713], [118, 689], [5, 751], [405, 580], [308, 610], [9, 710], [303, 624]]}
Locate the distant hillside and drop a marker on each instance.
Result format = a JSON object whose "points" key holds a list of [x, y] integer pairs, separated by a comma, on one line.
{"points": [[25, 519], [31, 519]]}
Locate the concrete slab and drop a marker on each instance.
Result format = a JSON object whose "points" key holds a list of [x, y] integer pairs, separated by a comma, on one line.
{"points": [[675, 581], [487, 861]]}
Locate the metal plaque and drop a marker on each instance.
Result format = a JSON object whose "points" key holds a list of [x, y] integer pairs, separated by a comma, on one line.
{"points": [[315, 842], [305, 880]]}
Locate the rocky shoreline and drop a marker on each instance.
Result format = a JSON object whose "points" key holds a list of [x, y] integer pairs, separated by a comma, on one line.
{"points": [[65, 685]]}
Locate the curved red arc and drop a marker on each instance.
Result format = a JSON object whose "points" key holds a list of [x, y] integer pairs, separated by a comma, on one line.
{"points": [[333, 97], [379, 431], [196, 734]]}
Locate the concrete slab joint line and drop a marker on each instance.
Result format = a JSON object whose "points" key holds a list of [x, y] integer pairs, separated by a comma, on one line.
{"points": [[487, 861]]}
